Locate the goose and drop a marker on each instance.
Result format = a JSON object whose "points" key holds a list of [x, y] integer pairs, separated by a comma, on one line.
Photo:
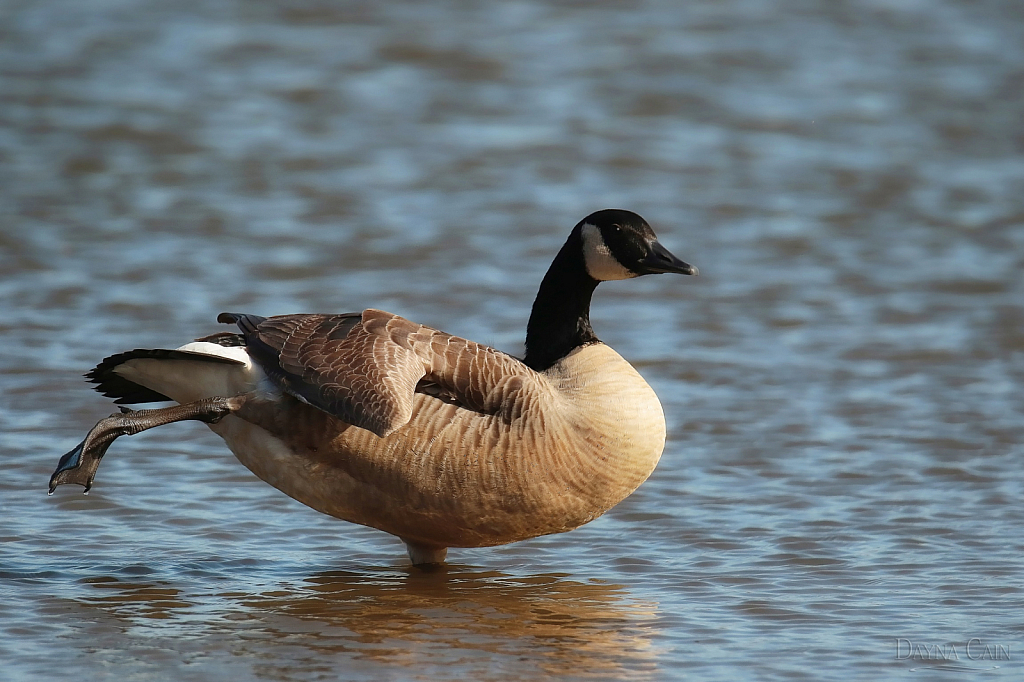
{"points": [[438, 440]]}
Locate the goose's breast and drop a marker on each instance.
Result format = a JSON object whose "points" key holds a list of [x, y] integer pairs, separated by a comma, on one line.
{"points": [[617, 416]]}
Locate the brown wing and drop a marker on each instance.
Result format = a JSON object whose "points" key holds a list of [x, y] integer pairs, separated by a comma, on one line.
{"points": [[364, 367]]}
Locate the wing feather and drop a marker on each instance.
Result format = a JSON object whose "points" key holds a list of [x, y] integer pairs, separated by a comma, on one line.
{"points": [[364, 367]]}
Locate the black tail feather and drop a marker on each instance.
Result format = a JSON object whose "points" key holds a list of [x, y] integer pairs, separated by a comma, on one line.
{"points": [[125, 392], [247, 323]]}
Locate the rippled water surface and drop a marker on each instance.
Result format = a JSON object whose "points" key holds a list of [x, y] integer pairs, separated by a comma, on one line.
{"points": [[841, 493]]}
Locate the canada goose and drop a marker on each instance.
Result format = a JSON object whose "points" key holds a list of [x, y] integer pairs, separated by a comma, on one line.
{"points": [[436, 439]]}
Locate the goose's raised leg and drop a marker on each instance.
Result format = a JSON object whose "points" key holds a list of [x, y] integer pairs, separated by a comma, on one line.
{"points": [[80, 465]]}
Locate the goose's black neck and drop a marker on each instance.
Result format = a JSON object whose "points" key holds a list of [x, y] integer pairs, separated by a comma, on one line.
{"points": [[560, 321]]}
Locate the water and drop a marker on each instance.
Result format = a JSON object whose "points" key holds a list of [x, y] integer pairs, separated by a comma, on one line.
{"points": [[840, 494]]}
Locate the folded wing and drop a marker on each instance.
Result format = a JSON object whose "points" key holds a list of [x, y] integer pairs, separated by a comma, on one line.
{"points": [[364, 368]]}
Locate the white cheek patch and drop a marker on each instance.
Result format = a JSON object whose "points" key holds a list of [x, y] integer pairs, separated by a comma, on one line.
{"points": [[598, 258]]}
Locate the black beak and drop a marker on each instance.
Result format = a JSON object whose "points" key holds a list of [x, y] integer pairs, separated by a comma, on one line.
{"points": [[660, 260]]}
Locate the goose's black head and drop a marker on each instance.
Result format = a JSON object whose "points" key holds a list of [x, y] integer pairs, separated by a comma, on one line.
{"points": [[606, 245], [620, 244]]}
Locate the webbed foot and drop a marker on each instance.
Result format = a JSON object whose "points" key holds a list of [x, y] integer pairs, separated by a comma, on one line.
{"points": [[80, 464]]}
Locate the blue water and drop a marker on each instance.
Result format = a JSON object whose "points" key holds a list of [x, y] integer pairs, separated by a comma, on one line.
{"points": [[840, 496]]}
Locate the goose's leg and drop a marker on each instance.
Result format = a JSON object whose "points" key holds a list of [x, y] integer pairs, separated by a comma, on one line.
{"points": [[421, 555], [79, 466]]}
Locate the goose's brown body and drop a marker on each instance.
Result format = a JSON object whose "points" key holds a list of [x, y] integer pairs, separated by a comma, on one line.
{"points": [[497, 452]]}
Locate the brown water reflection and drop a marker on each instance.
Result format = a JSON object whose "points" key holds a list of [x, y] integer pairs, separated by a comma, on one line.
{"points": [[528, 625]]}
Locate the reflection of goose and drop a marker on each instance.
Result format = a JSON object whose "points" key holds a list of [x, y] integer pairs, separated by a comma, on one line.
{"points": [[438, 440], [470, 621], [383, 623]]}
